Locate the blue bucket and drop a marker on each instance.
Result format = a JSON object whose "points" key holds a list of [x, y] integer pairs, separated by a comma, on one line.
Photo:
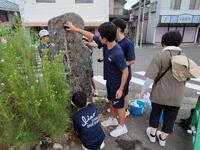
{"points": [[136, 110]]}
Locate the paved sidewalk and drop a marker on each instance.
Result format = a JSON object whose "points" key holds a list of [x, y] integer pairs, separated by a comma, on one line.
{"points": [[136, 138]]}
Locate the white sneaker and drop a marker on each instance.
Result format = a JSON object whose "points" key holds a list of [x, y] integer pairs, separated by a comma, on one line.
{"points": [[120, 130], [57, 146], [102, 145], [127, 113], [151, 138], [84, 148], [161, 142], [109, 122]]}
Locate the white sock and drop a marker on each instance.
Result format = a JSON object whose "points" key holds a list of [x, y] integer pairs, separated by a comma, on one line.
{"points": [[122, 125]]}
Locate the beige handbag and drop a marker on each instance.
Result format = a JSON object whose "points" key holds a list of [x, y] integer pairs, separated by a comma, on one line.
{"points": [[184, 68]]}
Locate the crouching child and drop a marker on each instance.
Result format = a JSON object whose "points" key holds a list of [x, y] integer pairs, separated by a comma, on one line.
{"points": [[86, 123]]}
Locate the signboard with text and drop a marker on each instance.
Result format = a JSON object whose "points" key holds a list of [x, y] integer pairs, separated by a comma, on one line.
{"points": [[165, 19], [184, 18]]}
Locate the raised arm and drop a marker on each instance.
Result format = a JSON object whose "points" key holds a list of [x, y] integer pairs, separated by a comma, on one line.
{"points": [[70, 27]]}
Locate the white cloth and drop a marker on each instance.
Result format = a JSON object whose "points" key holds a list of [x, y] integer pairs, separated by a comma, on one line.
{"points": [[172, 48]]}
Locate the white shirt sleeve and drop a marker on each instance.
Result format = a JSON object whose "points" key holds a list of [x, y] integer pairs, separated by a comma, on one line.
{"points": [[146, 85]]}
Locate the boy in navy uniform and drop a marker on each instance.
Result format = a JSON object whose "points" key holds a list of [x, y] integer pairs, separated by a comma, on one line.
{"points": [[115, 73], [86, 123], [129, 52]]}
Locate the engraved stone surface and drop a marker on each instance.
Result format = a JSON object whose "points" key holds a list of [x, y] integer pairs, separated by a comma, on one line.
{"points": [[76, 54]]}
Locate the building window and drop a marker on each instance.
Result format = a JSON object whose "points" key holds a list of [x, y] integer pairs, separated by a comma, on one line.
{"points": [[175, 4], [194, 4], [83, 1], [45, 1], [3, 16]]}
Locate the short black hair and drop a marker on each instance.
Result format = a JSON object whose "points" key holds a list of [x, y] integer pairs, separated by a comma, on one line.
{"points": [[79, 99], [171, 38], [108, 30], [120, 23]]}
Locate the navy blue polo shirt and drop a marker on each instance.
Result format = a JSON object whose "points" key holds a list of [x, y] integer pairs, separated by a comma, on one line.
{"points": [[129, 52], [114, 61], [87, 127]]}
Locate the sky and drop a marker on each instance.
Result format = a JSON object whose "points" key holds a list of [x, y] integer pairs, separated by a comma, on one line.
{"points": [[130, 3]]}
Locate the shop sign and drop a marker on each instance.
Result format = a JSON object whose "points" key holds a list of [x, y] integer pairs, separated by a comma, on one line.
{"points": [[173, 19], [196, 19], [165, 19], [185, 18]]}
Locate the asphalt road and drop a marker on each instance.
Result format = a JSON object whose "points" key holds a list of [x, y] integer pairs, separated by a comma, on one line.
{"points": [[136, 138], [144, 56]]}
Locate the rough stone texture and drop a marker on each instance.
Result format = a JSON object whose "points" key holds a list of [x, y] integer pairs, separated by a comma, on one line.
{"points": [[76, 54]]}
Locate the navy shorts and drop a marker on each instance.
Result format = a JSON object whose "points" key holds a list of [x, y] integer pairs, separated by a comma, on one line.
{"points": [[111, 94]]}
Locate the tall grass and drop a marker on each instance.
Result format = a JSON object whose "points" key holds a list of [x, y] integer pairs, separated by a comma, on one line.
{"points": [[33, 96]]}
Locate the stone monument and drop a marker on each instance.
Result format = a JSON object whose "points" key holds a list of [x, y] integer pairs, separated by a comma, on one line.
{"points": [[76, 54]]}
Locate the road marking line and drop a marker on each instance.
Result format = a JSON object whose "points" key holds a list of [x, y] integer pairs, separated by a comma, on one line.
{"points": [[196, 79], [142, 73], [140, 82], [100, 79], [193, 86], [137, 81]]}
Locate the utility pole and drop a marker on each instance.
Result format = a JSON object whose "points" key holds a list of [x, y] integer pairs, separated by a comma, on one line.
{"points": [[138, 25], [142, 27]]}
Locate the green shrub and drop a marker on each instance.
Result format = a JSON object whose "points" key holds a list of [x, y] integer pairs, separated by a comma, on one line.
{"points": [[33, 97], [100, 102], [34, 36]]}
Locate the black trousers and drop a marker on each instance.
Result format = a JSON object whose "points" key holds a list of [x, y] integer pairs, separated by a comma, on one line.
{"points": [[169, 116]]}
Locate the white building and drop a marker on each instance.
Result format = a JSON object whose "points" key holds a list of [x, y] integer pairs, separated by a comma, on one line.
{"points": [[39, 12], [116, 9], [167, 15], [181, 15]]}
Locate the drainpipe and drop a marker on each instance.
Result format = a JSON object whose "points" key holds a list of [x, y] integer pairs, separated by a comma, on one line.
{"points": [[196, 35], [142, 27], [138, 25]]}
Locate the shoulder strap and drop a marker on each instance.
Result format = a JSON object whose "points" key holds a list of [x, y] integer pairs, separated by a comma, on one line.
{"points": [[159, 77], [188, 63], [169, 67]]}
